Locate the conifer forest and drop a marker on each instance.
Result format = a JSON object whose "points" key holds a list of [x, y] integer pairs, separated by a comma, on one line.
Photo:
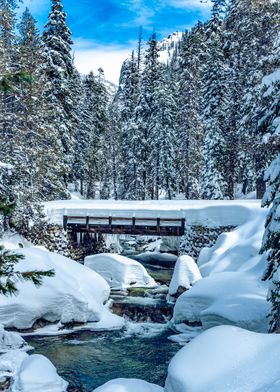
{"points": [[193, 129]]}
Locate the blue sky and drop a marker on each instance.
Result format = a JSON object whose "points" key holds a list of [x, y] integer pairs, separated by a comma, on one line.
{"points": [[105, 31]]}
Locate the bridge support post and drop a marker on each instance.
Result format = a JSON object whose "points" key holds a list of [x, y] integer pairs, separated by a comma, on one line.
{"points": [[183, 226], [65, 221], [158, 225]]}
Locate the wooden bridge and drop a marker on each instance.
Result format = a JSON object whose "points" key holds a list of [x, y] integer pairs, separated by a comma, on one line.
{"points": [[124, 225]]}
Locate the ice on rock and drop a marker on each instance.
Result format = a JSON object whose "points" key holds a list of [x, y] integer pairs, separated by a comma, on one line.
{"points": [[120, 272], [186, 273], [36, 374], [226, 359], [75, 293], [128, 385], [11, 341]]}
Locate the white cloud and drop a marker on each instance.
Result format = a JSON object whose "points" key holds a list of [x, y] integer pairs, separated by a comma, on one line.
{"points": [[90, 57]]}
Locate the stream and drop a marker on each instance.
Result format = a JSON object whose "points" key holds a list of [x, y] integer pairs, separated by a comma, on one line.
{"points": [[87, 360], [142, 350]]}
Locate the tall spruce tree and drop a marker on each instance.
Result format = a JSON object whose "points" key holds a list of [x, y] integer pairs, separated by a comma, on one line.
{"points": [[214, 106], [164, 138], [142, 122], [270, 128], [190, 127], [60, 73]]}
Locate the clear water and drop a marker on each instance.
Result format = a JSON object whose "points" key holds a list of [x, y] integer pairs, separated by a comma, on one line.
{"points": [[88, 360]]}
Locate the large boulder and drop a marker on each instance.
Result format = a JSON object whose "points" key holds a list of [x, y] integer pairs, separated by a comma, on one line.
{"points": [[120, 272], [36, 374], [225, 298], [226, 359], [186, 274]]}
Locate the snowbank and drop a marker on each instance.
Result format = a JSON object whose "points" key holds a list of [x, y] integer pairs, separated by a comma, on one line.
{"points": [[237, 250], [12, 341], [36, 374], [76, 293], [225, 298], [226, 359], [232, 292], [119, 271], [185, 274], [11, 240], [210, 213], [128, 385]]}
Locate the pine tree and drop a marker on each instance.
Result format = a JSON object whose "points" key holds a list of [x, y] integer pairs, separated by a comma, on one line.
{"points": [[214, 105], [270, 127], [190, 127], [248, 35], [125, 104], [164, 138], [143, 118], [61, 76]]}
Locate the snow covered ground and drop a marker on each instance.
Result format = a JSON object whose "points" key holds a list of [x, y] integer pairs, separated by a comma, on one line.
{"points": [[208, 212], [231, 291], [76, 293], [120, 272], [227, 359]]}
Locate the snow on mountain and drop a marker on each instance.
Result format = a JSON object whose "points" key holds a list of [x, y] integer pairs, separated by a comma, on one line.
{"points": [[169, 45]]}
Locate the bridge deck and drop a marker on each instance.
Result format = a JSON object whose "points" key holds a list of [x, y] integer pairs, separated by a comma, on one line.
{"points": [[124, 225]]}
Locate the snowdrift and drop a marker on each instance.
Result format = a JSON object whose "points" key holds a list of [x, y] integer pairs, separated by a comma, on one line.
{"points": [[75, 294], [120, 272], [128, 385], [232, 291], [226, 359]]}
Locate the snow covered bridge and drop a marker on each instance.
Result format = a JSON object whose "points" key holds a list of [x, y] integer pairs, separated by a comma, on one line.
{"points": [[162, 218]]}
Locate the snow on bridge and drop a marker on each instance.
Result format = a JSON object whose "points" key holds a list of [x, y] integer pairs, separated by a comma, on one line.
{"points": [[162, 217]]}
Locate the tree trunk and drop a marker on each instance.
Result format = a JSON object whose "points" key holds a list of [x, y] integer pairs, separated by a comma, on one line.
{"points": [[260, 187]]}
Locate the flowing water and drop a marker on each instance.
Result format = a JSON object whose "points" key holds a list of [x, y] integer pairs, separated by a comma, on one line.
{"points": [[87, 360]]}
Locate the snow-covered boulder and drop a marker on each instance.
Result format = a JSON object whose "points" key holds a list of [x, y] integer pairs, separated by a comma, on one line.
{"points": [[186, 273], [128, 385], [224, 298], [76, 293], [226, 359], [36, 374], [119, 271], [232, 291], [12, 341]]}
